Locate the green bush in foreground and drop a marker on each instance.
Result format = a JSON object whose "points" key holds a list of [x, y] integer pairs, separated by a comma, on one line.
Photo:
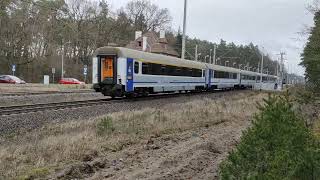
{"points": [[277, 146], [105, 126]]}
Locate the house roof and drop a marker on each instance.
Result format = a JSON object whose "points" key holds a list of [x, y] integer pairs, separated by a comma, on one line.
{"points": [[155, 45]]}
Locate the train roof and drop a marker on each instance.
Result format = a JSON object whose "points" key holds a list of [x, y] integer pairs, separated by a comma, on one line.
{"points": [[168, 60]]}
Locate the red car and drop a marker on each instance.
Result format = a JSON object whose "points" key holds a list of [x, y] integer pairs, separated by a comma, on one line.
{"points": [[8, 79], [70, 81]]}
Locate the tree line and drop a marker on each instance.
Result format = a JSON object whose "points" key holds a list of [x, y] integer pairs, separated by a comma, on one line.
{"points": [[35, 33], [229, 54]]}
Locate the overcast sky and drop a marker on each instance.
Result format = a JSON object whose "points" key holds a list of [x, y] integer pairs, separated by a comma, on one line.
{"points": [[273, 24]]}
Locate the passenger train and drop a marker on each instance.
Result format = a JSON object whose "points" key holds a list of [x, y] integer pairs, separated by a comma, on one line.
{"points": [[119, 72]]}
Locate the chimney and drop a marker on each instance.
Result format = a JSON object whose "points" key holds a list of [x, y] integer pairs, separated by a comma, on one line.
{"points": [[144, 43], [138, 35], [162, 34]]}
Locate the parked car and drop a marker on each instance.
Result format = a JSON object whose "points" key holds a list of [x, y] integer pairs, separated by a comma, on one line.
{"points": [[11, 79], [70, 81]]}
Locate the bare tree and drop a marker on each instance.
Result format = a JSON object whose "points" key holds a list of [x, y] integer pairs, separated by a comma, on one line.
{"points": [[146, 16]]}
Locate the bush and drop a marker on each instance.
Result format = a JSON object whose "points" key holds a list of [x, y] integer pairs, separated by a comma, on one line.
{"points": [[105, 126], [277, 146]]}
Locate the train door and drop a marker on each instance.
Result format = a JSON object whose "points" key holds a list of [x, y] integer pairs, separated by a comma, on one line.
{"points": [[108, 69], [130, 72]]}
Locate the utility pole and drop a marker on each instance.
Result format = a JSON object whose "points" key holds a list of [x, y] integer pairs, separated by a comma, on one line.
{"points": [[288, 74], [214, 53], [210, 57], [281, 67], [184, 31], [62, 62], [262, 58], [277, 69]]}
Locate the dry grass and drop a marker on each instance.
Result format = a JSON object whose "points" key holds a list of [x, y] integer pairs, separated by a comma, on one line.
{"points": [[39, 152], [16, 88]]}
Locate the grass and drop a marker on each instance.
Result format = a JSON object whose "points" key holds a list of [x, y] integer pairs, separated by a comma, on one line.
{"points": [[316, 129], [41, 151], [35, 173]]}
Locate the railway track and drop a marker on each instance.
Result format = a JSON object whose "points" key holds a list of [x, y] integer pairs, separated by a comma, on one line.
{"points": [[21, 109], [12, 110]]}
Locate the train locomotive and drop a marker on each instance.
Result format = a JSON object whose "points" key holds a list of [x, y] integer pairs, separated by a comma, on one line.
{"points": [[119, 72]]}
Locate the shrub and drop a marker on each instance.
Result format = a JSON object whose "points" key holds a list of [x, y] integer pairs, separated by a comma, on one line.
{"points": [[105, 126], [277, 146]]}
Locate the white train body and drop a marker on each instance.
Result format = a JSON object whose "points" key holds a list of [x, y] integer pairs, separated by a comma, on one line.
{"points": [[125, 72]]}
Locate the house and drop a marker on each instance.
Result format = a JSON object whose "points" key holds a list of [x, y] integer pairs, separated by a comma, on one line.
{"points": [[150, 42]]}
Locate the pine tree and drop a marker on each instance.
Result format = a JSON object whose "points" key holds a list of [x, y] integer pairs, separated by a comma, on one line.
{"points": [[277, 146], [311, 55]]}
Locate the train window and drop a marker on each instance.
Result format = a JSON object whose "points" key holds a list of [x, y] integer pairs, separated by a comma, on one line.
{"points": [[219, 74], [190, 73], [230, 75], [247, 77], [136, 67], [235, 76], [178, 71], [225, 75], [186, 72], [258, 79], [170, 70], [155, 69], [196, 73], [163, 70], [158, 69], [145, 68], [216, 74]]}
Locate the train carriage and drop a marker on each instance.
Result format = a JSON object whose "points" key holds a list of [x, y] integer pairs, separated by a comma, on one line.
{"points": [[121, 72]]}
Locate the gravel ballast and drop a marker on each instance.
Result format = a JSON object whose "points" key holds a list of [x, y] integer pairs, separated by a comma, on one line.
{"points": [[26, 122]]}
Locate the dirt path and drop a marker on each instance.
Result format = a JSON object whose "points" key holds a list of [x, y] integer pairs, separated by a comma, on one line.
{"points": [[189, 155]]}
